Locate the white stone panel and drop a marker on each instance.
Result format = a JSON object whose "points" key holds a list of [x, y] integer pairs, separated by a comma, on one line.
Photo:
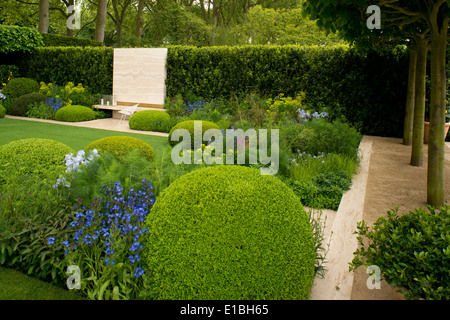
{"points": [[139, 75]]}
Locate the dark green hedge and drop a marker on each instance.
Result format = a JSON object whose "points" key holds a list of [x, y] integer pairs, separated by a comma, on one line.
{"points": [[56, 40], [369, 90], [91, 66]]}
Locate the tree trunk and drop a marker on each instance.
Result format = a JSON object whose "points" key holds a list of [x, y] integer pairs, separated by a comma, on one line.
{"points": [[422, 47], [410, 98], [119, 33], [436, 142], [100, 22], [44, 18], [139, 21]]}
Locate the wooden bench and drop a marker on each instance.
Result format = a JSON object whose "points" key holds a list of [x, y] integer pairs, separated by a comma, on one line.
{"points": [[123, 105]]}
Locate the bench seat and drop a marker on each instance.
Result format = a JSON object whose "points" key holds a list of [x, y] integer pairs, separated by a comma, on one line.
{"points": [[116, 108]]}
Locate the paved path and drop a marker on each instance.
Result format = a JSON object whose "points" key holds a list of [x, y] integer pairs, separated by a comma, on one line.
{"points": [[104, 124], [385, 180]]}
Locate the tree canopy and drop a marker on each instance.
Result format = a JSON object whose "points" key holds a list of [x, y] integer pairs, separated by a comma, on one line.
{"points": [[130, 23]]}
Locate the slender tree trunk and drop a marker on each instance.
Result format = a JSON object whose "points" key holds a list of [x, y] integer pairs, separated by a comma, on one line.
{"points": [[436, 142], [100, 22], [139, 21], [119, 33], [44, 16], [410, 99], [422, 47]]}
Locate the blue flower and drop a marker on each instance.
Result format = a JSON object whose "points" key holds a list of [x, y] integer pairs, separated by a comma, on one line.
{"points": [[138, 272], [51, 241]]}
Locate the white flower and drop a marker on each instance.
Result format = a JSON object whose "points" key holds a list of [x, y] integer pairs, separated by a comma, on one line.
{"points": [[81, 153]]}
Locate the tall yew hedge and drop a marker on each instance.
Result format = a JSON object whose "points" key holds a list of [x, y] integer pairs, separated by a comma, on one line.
{"points": [[91, 66], [369, 90]]}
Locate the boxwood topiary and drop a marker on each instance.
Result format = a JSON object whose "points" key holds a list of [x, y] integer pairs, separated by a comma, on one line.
{"points": [[228, 232], [32, 156], [2, 111], [20, 86], [189, 125], [75, 114], [151, 120], [121, 146], [21, 105]]}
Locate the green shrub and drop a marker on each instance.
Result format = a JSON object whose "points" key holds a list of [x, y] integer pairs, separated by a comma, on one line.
{"points": [[56, 40], [75, 114], [121, 146], [228, 232], [19, 87], [411, 250], [151, 120], [19, 39], [21, 105], [32, 156], [2, 111], [326, 137], [31, 212], [7, 73], [69, 94], [189, 126]]}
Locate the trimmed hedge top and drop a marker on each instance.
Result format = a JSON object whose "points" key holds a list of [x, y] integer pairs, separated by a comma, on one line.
{"points": [[19, 39], [56, 40], [121, 146], [228, 232]]}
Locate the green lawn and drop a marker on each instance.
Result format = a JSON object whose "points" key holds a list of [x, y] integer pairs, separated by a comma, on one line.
{"points": [[75, 137], [18, 286]]}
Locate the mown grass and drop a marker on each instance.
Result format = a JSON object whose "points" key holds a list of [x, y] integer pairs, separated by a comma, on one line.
{"points": [[18, 286], [75, 137]]}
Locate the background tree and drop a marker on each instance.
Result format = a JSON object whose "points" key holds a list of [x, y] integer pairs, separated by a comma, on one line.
{"points": [[100, 20]]}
